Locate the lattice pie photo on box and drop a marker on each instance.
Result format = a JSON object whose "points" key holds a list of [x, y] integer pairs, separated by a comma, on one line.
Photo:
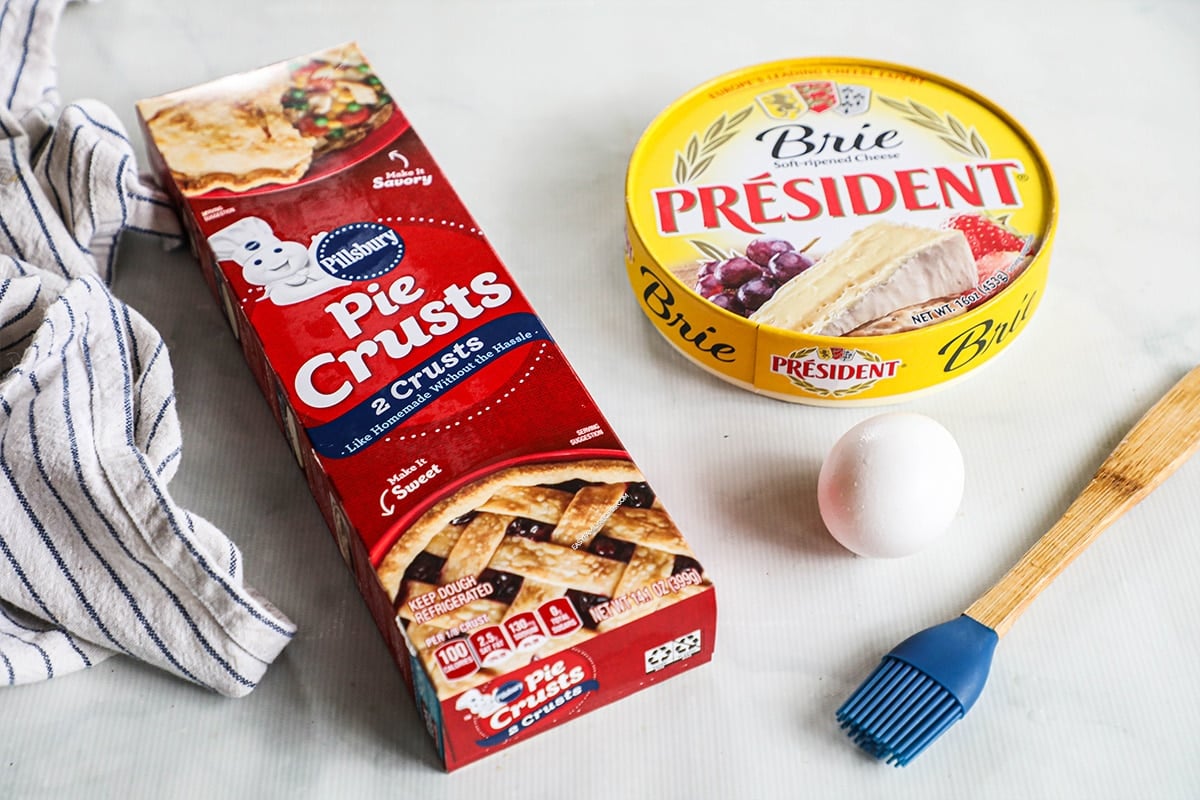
{"points": [[531, 560]]}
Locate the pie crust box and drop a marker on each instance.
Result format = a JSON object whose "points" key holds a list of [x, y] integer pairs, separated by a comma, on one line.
{"points": [[834, 231], [517, 562]]}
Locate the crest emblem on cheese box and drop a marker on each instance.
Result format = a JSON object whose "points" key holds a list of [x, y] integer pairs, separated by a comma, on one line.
{"points": [[791, 102], [782, 103], [819, 95], [852, 100]]}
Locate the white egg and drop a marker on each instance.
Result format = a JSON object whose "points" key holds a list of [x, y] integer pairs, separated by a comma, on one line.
{"points": [[891, 485]]}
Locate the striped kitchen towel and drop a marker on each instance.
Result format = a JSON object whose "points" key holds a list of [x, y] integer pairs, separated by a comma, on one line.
{"points": [[96, 557]]}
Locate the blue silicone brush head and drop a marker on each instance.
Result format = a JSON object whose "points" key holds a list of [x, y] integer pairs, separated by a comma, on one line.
{"points": [[921, 688]]}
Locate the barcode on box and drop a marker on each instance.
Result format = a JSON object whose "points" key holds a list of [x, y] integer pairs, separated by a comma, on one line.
{"points": [[673, 651]]}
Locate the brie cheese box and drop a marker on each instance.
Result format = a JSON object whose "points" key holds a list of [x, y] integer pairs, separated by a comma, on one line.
{"points": [[835, 231], [519, 565]]}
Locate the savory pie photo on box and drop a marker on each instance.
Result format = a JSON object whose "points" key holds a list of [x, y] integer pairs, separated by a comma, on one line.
{"points": [[269, 126]]}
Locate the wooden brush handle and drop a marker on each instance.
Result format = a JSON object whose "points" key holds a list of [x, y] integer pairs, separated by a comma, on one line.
{"points": [[1156, 446]]}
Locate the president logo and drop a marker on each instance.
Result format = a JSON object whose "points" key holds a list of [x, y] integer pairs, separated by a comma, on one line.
{"points": [[833, 371]]}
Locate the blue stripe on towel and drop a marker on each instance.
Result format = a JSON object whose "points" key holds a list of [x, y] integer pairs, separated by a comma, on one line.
{"points": [[24, 53]]}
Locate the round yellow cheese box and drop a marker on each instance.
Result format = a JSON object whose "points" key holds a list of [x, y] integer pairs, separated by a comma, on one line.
{"points": [[835, 231]]}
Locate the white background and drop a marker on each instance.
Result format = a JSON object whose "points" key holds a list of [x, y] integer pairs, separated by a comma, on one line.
{"points": [[532, 109]]}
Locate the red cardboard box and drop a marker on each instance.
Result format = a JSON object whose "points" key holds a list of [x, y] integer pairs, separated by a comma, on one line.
{"points": [[517, 562]]}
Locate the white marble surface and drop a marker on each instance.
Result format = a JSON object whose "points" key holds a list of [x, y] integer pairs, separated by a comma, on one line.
{"points": [[532, 108]]}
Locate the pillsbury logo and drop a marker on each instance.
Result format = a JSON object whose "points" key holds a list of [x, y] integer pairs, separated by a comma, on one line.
{"points": [[360, 251]]}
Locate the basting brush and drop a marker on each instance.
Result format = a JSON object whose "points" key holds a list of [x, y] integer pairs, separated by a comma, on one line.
{"points": [[930, 680]]}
